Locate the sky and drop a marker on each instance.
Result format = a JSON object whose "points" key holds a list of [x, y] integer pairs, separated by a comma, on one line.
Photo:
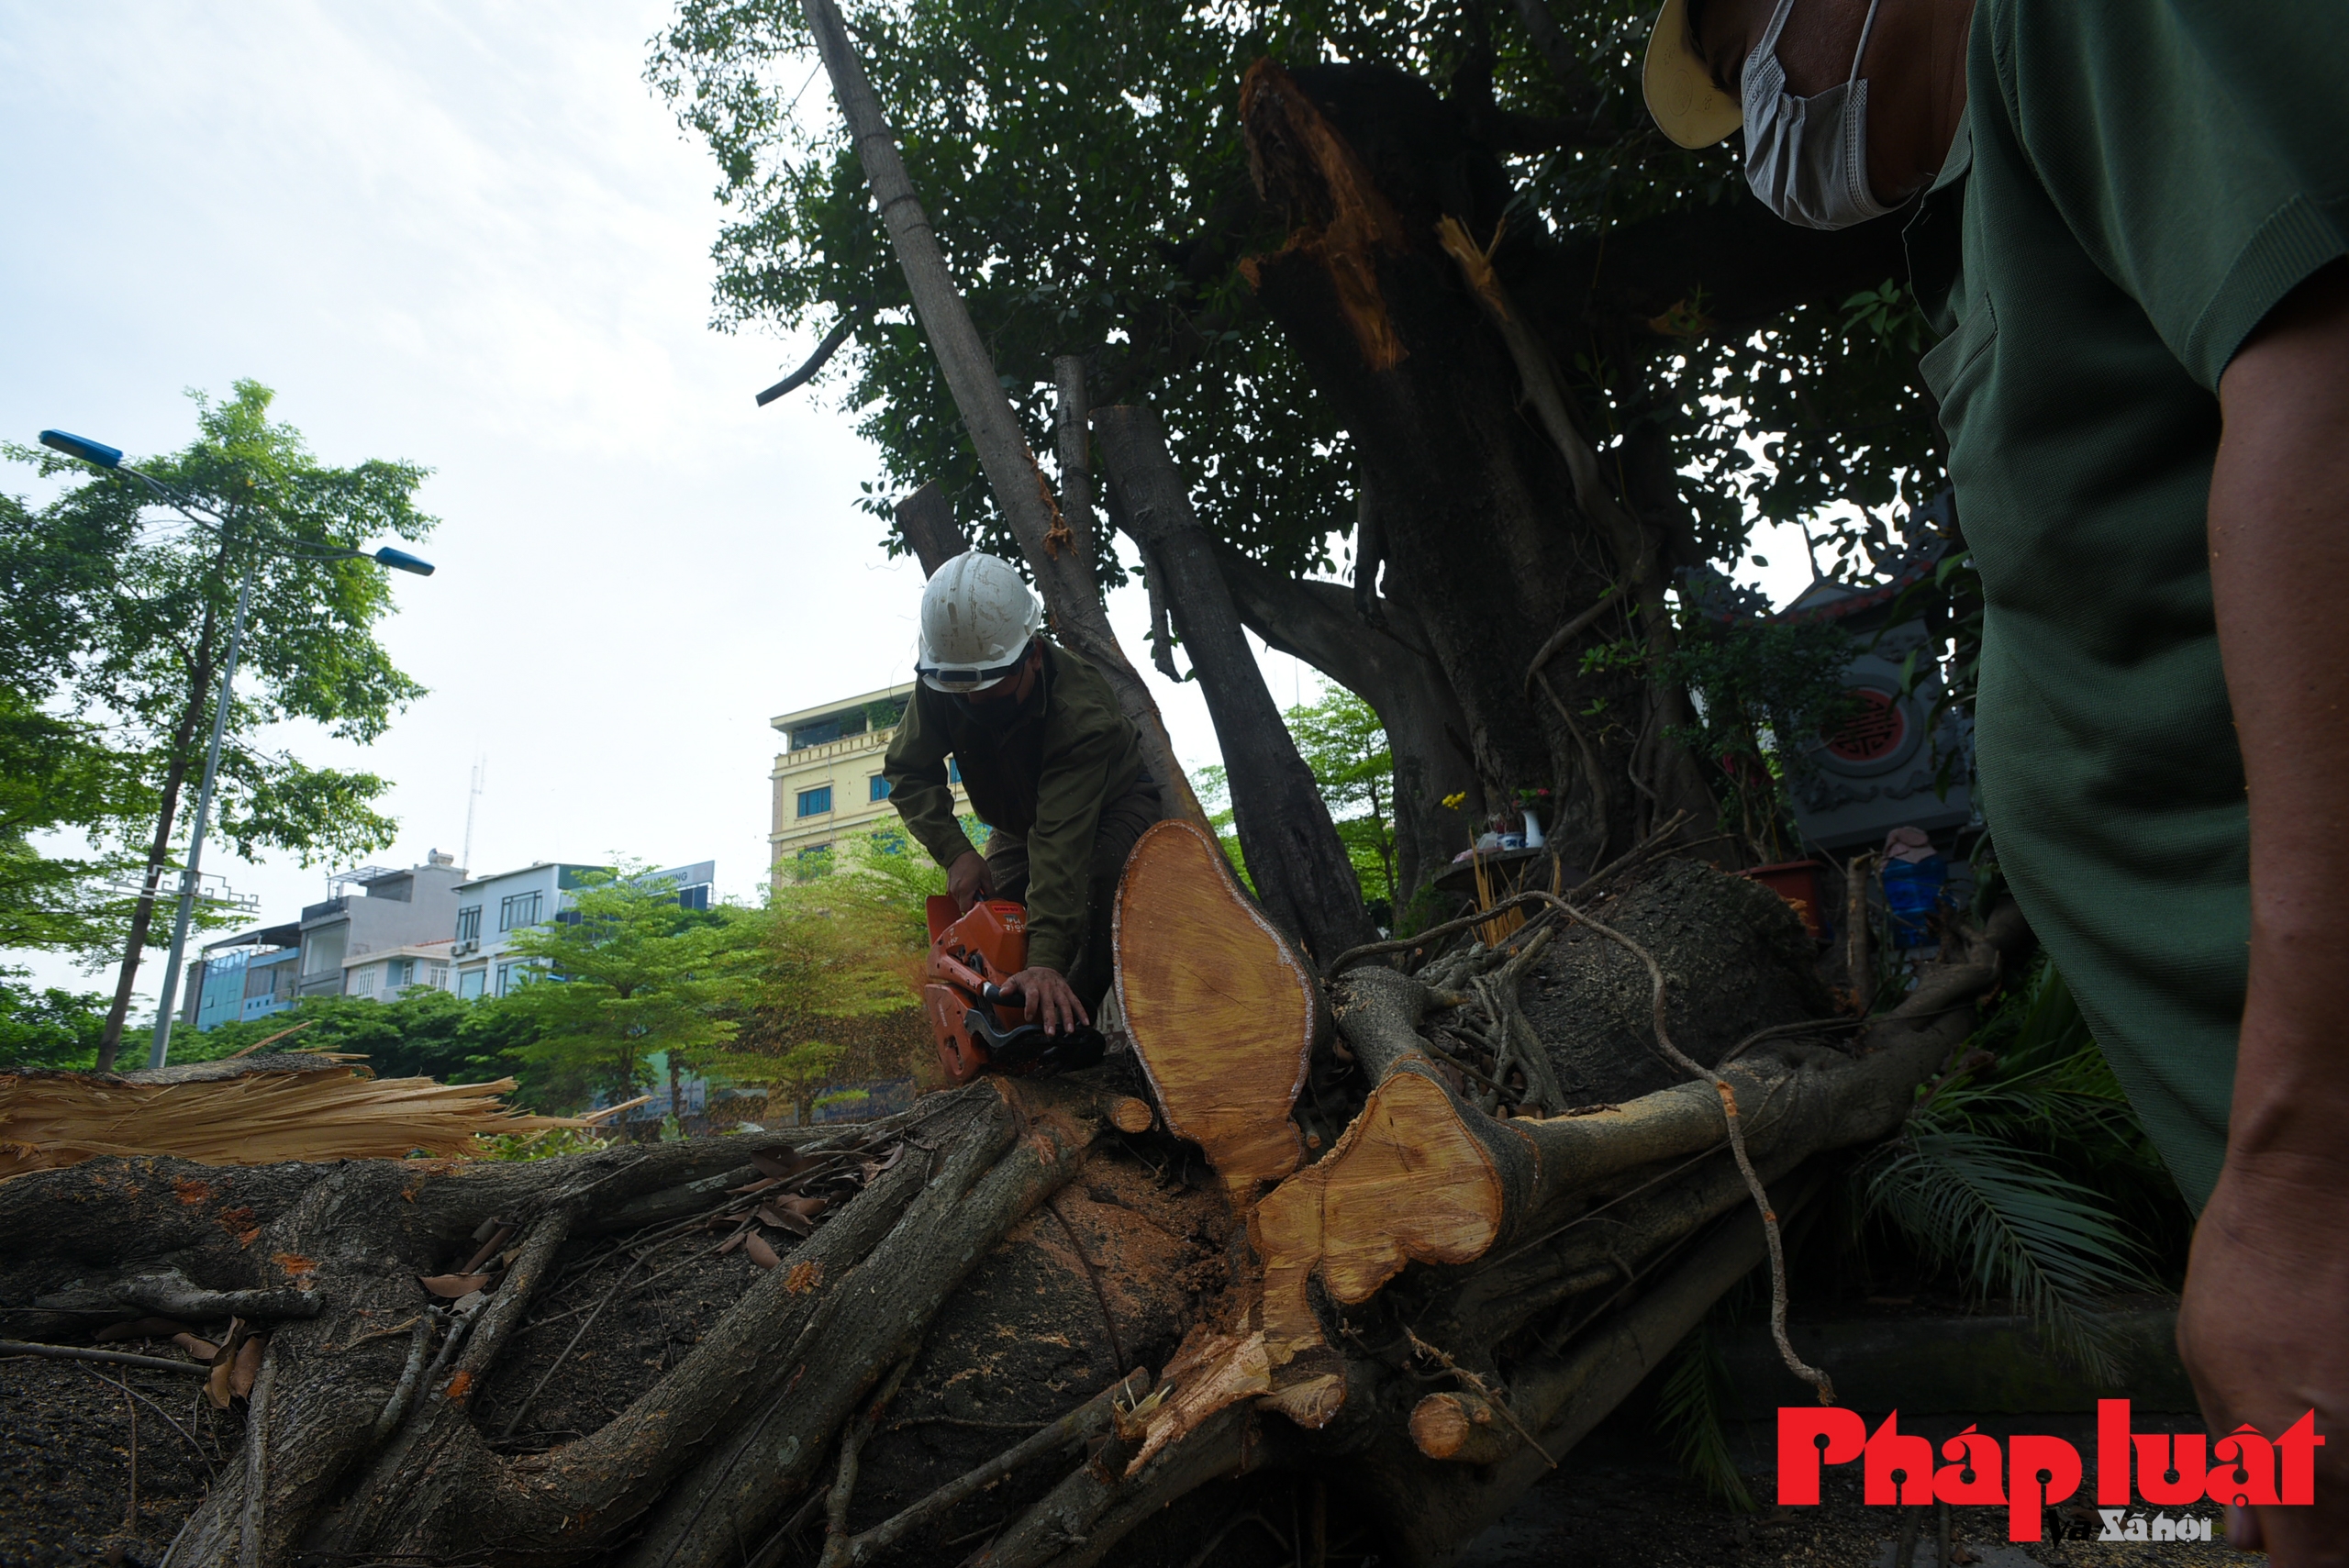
{"points": [[471, 237]]}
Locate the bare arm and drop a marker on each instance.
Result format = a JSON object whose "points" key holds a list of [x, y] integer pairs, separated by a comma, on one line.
{"points": [[2265, 1327]]}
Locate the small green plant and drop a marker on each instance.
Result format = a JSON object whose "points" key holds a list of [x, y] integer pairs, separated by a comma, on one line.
{"points": [[551, 1143], [2022, 1175], [1688, 1408]]}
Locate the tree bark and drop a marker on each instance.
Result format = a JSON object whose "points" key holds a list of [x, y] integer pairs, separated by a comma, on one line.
{"points": [[159, 850], [1479, 529], [1295, 860], [926, 522], [1063, 572], [1002, 1263], [1381, 660]]}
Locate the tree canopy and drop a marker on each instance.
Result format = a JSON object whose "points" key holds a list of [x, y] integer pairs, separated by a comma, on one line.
{"points": [[1086, 173], [124, 631]]}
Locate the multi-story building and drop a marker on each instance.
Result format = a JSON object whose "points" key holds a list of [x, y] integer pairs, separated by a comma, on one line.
{"points": [[827, 783], [490, 909], [261, 972], [392, 908], [385, 974], [429, 926]]}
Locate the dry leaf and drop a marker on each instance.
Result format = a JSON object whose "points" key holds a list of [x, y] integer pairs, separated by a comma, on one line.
{"points": [[248, 1366], [731, 1242], [202, 1350], [784, 1219], [761, 1185], [449, 1287], [766, 1257], [778, 1162], [216, 1387]]}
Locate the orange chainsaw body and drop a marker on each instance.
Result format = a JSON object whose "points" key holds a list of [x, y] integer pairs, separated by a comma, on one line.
{"points": [[968, 955]]}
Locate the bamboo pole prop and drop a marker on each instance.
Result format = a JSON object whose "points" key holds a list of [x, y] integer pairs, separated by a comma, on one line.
{"points": [[1062, 564]]}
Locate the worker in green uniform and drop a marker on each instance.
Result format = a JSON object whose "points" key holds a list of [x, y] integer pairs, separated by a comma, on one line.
{"points": [[1052, 766], [2128, 220]]}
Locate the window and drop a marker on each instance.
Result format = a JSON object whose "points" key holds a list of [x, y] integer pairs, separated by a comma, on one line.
{"points": [[469, 982], [814, 802], [322, 948], [517, 910], [439, 981], [468, 924], [693, 897], [510, 978], [880, 787], [953, 771], [399, 971], [362, 981]]}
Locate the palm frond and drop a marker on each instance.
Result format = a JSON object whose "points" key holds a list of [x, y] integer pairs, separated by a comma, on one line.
{"points": [[1688, 1418], [2011, 1225]]}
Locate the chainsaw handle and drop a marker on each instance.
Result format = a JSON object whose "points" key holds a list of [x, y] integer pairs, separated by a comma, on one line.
{"points": [[992, 994]]}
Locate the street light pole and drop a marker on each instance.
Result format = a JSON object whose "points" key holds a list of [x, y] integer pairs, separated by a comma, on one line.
{"points": [[100, 455], [189, 873]]}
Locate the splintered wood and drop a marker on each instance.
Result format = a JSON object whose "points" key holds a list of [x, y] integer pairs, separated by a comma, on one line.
{"points": [[1220, 1008], [259, 1111], [1407, 1183]]}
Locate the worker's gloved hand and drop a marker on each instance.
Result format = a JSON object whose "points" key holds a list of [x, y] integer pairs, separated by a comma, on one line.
{"points": [[2263, 1330], [967, 880], [1048, 999]]}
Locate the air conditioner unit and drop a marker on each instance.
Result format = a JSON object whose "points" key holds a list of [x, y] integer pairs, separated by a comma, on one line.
{"points": [[463, 948]]}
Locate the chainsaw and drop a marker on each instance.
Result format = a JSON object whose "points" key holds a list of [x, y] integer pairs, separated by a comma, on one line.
{"points": [[977, 1030]]}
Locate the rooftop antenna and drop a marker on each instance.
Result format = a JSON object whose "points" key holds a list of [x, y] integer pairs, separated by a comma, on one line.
{"points": [[480, 776]]}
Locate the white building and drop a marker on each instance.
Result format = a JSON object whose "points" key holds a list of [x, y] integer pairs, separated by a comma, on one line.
{"points": [[490, 909], [384, 975], [261, 972]]}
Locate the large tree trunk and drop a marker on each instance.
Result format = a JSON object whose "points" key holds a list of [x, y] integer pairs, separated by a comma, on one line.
{"points": [[883, 1343], [1385, 661], [1294, 857]]}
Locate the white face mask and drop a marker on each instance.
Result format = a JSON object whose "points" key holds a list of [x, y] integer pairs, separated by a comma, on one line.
{"points": [[1807, 159]]}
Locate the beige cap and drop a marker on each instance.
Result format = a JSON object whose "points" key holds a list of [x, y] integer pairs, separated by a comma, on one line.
{"points": [[1681, 95]]}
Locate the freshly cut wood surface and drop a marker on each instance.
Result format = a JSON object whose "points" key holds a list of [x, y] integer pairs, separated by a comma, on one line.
{"points": [[1406, 1183], [1461, 1428], [257, 1111], [1221, 1009]]}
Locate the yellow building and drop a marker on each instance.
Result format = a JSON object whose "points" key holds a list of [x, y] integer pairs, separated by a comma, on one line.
{"points": [[828, 784]]}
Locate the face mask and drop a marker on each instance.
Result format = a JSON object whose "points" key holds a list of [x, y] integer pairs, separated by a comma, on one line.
{"points": [[1003, 713], [1807, 159]]}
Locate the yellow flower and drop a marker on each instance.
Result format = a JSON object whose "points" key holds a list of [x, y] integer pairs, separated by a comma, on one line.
{"points": [[1451, 802]]}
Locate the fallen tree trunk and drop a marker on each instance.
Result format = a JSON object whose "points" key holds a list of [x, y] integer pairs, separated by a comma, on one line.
{"points": [[1026, 1317]]}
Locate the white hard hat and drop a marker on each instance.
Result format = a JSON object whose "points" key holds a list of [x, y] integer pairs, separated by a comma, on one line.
{"points": [[977, 617]]}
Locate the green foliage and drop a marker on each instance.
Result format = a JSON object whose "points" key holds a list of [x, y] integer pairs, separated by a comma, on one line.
{"points": [[801, 1073], [625, 974], [1689, 1401], [549, 1144], [47, 1028], [126, 629], [1764, 691], [1345, 747], [1213, 785], [59, 773], [2024, 1176], [1084, 172]]}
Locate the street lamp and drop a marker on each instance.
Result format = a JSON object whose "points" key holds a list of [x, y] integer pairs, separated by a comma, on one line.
{"points": [[100, 455]]}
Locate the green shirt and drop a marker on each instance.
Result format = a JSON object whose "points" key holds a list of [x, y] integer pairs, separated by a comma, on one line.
{"points": [[1044, 777], [2137, 184]]}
